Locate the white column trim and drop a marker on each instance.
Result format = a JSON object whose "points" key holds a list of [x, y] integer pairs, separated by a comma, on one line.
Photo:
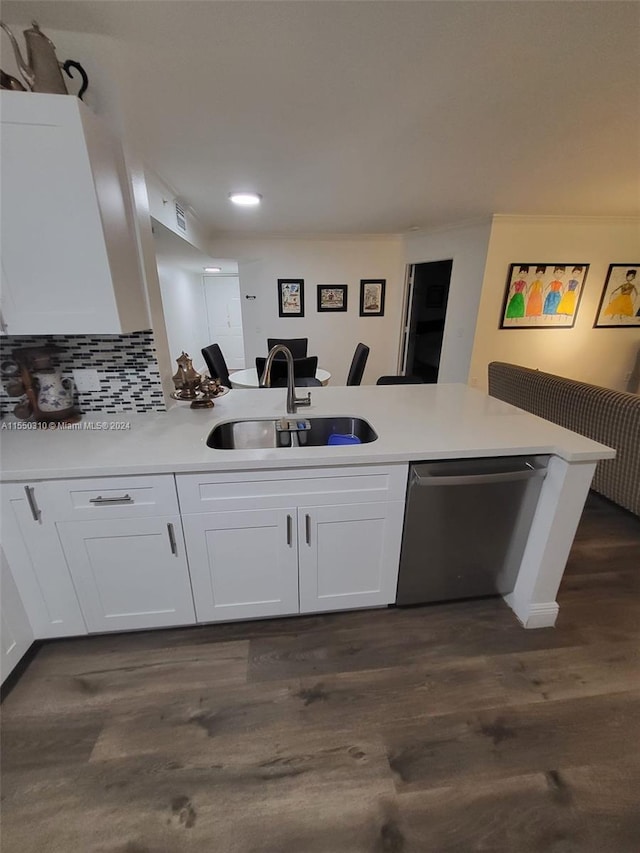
{"points": [[556, 519]]}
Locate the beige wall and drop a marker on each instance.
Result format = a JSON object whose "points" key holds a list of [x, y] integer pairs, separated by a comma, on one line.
{"points": [[467, 246], [332, 337], [601, 356]]}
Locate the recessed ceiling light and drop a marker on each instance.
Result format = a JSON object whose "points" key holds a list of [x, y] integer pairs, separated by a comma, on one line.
{"points": [[245, 199], [213, 269]]}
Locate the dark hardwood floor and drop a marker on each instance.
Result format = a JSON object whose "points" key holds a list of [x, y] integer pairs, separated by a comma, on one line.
{"points": [[441, 729]]}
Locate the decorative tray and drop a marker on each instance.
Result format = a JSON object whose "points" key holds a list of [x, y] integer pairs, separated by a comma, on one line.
{"points": [[177, 395]]}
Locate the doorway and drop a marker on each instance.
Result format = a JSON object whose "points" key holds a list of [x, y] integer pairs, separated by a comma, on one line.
{"points": [[425, 314]]}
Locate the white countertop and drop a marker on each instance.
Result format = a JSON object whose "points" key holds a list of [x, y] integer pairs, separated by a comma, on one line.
{"points": [[413, 422]]}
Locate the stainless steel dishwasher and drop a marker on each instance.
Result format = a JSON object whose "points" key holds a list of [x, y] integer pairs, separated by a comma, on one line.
{"points": [[466, 525]]}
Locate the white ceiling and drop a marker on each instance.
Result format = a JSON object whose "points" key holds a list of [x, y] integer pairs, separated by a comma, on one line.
{"points": [[373, 117]]}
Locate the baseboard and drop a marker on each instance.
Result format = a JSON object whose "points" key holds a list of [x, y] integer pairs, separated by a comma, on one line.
{"points": [[534, 615]]}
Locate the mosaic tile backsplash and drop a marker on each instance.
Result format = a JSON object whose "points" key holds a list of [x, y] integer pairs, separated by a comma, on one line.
{"points": [[126, 364]]}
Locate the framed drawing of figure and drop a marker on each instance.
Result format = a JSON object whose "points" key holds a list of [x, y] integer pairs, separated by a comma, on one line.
{"points": [[542, 296], [291, 297], [620, 300]]}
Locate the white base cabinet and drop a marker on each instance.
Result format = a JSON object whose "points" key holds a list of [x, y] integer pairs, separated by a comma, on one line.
{"points": [[16, 633], [129, 573], [109, 554], [294, 542], [30, 541], [349, 555], [244, 565], [98, 554]]}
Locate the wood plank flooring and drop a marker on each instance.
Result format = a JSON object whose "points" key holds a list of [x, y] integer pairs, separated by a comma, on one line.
{"points": [[440, 729]]}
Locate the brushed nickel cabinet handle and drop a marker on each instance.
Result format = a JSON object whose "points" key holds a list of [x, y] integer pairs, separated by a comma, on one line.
{"points": [[172, 539], [33, 506], [289, 525], [122, 499], [307, 524]]}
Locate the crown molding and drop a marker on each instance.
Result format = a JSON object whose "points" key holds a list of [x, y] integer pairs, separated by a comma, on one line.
{"points": [[255, 236], [553, 219]]}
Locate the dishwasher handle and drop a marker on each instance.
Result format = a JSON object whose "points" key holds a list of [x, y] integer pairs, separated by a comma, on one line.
{"points": [[477, 479]]}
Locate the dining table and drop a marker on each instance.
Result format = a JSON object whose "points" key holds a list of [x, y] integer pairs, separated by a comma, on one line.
{"points": [[249, 378]]}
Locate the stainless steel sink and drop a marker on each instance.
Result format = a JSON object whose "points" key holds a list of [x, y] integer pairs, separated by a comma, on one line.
{"points": [[249, 435]]}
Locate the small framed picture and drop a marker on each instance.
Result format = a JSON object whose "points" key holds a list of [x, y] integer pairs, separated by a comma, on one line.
{"points": [[620, 301], [291, 297], [372, 297], [332, 297], [542, 296]]}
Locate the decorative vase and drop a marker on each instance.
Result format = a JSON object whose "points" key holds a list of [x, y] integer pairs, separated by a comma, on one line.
{"points": [[55, 392]]}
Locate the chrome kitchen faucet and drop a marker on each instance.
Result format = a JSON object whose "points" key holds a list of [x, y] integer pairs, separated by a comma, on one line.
{"points": [[265, 380]]}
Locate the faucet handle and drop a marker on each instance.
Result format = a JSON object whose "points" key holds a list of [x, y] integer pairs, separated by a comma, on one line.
{"points": [[303, 401]]}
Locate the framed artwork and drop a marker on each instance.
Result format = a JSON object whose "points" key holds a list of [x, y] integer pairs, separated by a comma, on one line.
{"points": [[332, 297], [620, 301], [291, 297], [542, 296], [372, 297]]}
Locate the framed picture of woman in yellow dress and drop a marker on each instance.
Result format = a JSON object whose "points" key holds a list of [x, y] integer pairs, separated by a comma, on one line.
{"points": [[620, 300], [542, 296]]}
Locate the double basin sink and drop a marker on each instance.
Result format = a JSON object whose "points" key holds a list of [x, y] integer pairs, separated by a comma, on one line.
{"points": [[284, 432]]}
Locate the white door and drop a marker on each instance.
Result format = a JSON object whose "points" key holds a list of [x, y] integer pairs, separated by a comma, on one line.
{"points": [[129, 573], [349, 555], [224, 315], [243, 564], [15, 629]]}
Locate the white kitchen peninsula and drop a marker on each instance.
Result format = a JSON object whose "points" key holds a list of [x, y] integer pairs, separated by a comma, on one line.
{"points": [[413, 423]]}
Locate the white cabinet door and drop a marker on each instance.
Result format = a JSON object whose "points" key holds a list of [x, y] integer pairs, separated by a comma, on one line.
{"points": [[349, 555], [244, 565], [70, 260], [15, 629], [129, 573], [30, 541]]}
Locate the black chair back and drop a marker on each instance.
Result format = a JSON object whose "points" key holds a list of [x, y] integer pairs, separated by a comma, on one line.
{"points": [[216, 364], [303, 368], [358, 362], [298, 381], [296, 346], [400, 380]]}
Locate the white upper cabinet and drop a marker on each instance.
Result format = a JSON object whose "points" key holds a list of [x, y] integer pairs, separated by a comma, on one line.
{"points": [[70, 261]]}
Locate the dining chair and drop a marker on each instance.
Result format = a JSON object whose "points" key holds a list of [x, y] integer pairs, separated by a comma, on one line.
{"points": [[216, 364], [400, 380], [303, 368], [358, 362], [296, 346]]}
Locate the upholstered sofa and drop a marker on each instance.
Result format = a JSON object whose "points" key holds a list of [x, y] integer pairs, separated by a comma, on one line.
{"points": [[610, 417]]}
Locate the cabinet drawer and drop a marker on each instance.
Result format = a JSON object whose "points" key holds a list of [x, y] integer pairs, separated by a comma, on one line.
{"points": [[109, 497], [214, 492]]}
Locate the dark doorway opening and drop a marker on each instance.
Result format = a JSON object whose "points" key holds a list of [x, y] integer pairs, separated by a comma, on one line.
{"points": [[426, 313]]}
